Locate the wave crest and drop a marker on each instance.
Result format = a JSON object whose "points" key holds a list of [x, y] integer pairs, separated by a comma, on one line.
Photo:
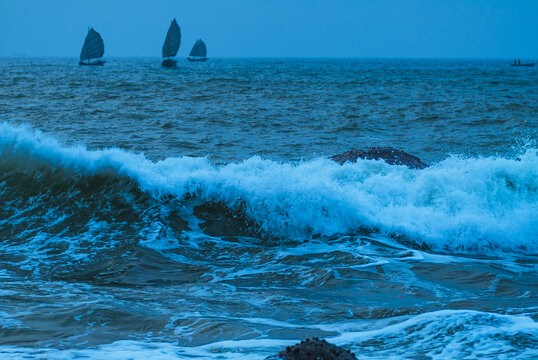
{"points": [[459, 204]]}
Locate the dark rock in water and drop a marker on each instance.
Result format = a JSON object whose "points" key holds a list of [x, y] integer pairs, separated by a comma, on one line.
{"points": [[391, 156], [314, 349]]}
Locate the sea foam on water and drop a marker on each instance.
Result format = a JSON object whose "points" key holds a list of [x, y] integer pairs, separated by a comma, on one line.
{"points": [[461, 204]]}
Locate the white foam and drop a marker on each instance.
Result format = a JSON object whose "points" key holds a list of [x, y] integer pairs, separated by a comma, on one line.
{"points": [[462, 204], [7, 320], [449, 334], [445, 334], [142, 350]]}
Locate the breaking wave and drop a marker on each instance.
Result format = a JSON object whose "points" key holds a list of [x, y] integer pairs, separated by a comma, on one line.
{"points": [[460, 204]]}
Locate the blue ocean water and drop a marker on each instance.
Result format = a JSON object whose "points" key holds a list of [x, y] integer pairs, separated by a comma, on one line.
{"points": [[194, 212]]}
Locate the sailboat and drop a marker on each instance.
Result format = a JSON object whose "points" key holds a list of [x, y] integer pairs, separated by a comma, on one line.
{"points": [[526, 64], [198, 52], [93, 48], [171, 44]]}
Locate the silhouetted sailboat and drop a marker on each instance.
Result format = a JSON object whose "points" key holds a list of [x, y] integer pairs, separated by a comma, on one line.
{"points": [[198, 52], [93, 48], [526, 65], [171, 44], [517, 62]]}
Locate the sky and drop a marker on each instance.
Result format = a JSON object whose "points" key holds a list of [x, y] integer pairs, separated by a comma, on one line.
{"points": [[277, 28]]}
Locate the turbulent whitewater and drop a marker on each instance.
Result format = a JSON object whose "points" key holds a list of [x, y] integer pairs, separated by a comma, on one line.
{"points": [[134, 226], [459, 204]]}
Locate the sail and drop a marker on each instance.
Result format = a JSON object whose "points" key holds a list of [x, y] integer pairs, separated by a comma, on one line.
{"points": [[199, 49], [93, 46], [172, 41]]}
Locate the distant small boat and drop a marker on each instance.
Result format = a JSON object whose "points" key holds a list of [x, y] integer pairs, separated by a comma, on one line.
{"points": [[171, 44], [527, 64], [93, 48], [198, 52]]}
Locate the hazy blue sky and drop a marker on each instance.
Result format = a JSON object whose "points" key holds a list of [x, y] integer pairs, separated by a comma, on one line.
{"points": [[277, 28]]}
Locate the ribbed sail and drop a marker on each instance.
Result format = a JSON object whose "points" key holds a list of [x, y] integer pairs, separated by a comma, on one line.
{"points": [[172, 41], [199, 49], [93, 46]]}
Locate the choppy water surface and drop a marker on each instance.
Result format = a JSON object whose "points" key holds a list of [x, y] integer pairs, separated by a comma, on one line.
{"points": [[192, 213]]}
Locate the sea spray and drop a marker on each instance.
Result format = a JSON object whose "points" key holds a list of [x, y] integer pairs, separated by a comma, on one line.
{"points": [[462, 204]]}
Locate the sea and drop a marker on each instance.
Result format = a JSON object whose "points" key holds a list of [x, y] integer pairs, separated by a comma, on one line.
{"points": [[195, 213]]}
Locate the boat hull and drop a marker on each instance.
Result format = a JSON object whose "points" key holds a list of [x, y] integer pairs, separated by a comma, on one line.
{"points": [[196, 59], [95, 63], [169, 63], [526, 65]]}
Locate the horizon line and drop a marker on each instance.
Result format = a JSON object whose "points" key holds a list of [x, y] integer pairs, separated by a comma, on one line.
{"points": [[24, 56]]}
